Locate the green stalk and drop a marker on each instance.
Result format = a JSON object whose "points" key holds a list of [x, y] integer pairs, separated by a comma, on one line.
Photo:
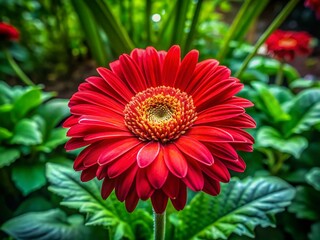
{"points": [[233, 29], [148, 20], [159, 225], [179, 21], [279, 77], [273, 26], [193, 26], [17, 69]]}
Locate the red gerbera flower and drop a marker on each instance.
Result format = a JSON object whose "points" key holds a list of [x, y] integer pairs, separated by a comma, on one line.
{"points": [[8, 32], [314, 5], [154, 125], [284, 45]]}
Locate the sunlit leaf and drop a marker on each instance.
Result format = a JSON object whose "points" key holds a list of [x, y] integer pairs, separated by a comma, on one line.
{"points": [[52, 224], [86, 198], [270, 137], [304, 111], [8, 156], [240, 207], [29, 177], [26, 132], [313, 178]]}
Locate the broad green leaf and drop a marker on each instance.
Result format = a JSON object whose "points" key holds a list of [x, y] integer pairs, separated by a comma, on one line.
{"points": [[87, 199], [5, 133], [53, 112], [313, 178], [306, 203], [282, 94], [241, 206], [26, 132], [57, 137], [304, 111], [269, 103], [26, 102], [8, 156], [52, 224], [304, 83], [315, 231], [33, 204], [5, 92], [270, 137], [29, 177]]}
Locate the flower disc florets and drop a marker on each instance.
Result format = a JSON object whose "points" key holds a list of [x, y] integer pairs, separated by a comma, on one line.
{"points": [[160, 114]]}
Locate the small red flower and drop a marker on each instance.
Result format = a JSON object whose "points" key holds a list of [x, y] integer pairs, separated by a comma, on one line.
{"points": [[8, 32], [154, 125], [284, 45], [314, 5]]}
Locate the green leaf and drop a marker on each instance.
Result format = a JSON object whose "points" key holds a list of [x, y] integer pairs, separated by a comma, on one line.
{"points": [[5, 133], [241, 206], [306, 203], [56, 138], [26, 132], [270, 137], [8, 156], [53, 112], [33, 204], [269, 103], [313, 178], [26, 102], [52, 224], [86, 197], [315, 231], [304, 83], [29, 178], [304, 111]]}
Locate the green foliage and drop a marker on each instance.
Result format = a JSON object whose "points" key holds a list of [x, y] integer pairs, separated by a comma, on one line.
{"points": [[86, 198], [51, 224], [313, 178], [315, 231], [28, 133], [240, 207]]}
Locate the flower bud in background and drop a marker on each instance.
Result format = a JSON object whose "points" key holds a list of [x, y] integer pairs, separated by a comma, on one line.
{"points": [[8, 32]]}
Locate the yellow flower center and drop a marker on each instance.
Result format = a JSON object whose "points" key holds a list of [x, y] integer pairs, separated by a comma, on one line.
{"points": [[160, 114]]}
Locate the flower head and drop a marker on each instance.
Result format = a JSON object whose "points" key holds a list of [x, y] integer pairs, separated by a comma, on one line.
{"points": [[8, 32], [154, 125], [314, 5], [284, 45]]}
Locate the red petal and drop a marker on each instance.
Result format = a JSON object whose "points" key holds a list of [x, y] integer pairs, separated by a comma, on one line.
{"points": [[186, 70], [237, 166], [243, 121], [107, 187], [238, 101], [170, 66], [224, 151], [116, 83], [89, 173], [117, 149], [123, 163], [210, 134], [148, 154], [102, 172], [175, 161], [152, 67], [132, 73], [157, 172], [144, 188], [70, 121], [211, 186], [159, 201], [194, 149], [124, 182], [217, 171], [194, 179], [131, 200], [75, 143], [180, 201], [171, 187], [201, 74], [218, 113]]}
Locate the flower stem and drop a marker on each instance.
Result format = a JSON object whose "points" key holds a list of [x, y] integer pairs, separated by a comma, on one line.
{"points": [[17, 69], [273, 26], [159, 225], [279, 77]]}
